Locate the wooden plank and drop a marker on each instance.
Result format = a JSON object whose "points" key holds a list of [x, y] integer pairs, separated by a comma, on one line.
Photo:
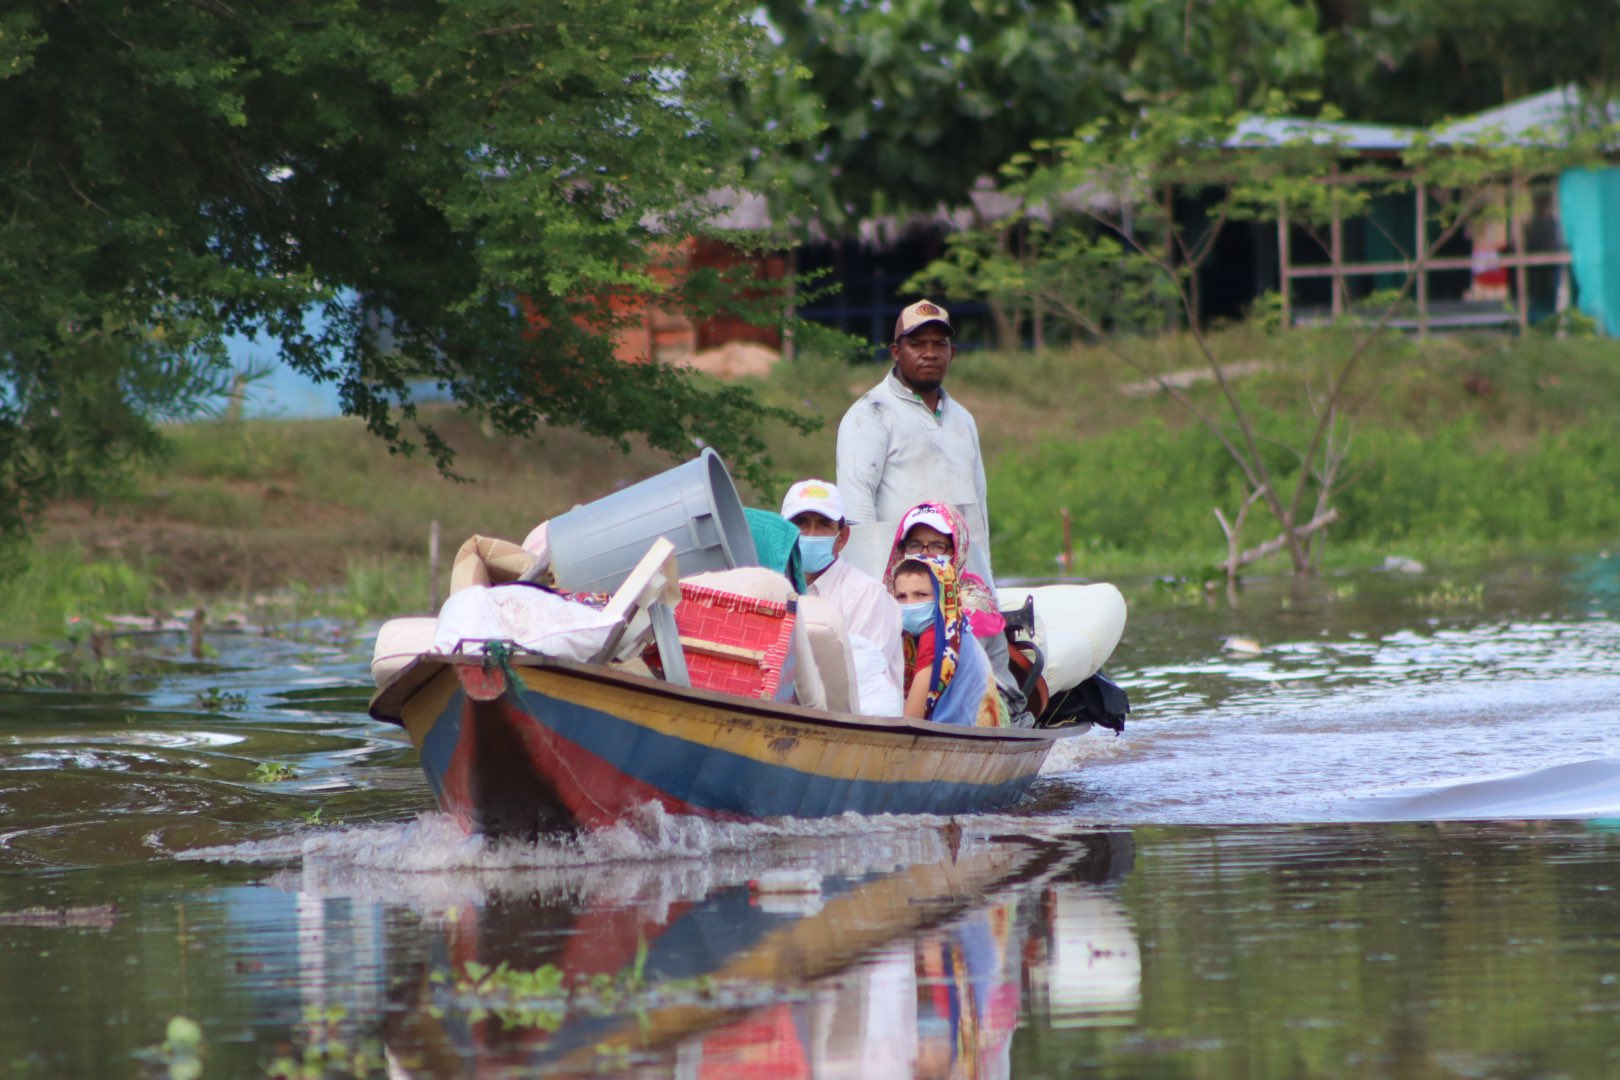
{"points": [[722, 651], [1284, 254], [1521, 273], [1561, 258], [667, 636], [1336, 252], [1422, 250]]}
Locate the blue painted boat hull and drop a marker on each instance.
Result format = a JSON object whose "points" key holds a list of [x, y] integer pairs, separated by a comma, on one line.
{"points": [[549, 745]]}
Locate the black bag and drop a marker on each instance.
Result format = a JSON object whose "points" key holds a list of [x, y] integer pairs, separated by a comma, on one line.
{"points": [[1097, 700]]}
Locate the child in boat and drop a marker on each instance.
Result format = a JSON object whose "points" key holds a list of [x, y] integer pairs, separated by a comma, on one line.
{"points": [[948, 676], [936, 529]]}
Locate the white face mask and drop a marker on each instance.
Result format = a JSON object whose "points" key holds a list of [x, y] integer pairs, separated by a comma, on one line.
{"points": [[816, 553], [915, 618]]}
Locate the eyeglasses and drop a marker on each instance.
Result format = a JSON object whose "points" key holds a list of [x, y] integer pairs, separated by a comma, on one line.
{"points": [[930, 547]]}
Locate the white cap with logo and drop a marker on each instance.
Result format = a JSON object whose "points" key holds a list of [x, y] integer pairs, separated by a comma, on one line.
{"points": [[815, 497], [920, 314]]}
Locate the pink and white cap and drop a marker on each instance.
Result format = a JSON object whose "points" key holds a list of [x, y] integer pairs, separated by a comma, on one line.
{"points": [[923, 515]]}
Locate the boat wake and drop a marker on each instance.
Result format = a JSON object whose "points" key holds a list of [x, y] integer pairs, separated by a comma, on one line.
{"points": [[1068, 755], [1583, 789], [652, 856], [428, 855], [433, 842]]}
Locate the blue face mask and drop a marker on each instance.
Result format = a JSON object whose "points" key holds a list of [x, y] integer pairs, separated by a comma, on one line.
{"points": [[916, 618], [816, 553]]}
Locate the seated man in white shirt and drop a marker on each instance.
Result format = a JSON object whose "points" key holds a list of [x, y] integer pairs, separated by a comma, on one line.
{"points": [[868, 610]]}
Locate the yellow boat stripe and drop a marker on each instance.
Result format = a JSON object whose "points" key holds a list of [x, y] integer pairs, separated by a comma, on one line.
{"points": [[881, 754]]}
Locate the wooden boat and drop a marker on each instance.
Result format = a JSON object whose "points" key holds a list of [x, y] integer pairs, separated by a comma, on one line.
{"points": [[527, 744], [524, 742]]}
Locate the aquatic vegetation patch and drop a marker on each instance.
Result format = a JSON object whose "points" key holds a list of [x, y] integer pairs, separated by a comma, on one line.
{"points": [[87, 662], [271, 772], [45, 588], [329, 1043], [180, 1055], [26, 666], [546, 997], [1451, 594], [216, 700]]}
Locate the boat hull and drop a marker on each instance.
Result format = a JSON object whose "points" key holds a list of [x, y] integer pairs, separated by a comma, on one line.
{"points": [[547, 745]]}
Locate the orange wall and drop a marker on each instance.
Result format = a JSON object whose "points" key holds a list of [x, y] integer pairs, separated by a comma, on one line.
{"points": [[670, 335]]}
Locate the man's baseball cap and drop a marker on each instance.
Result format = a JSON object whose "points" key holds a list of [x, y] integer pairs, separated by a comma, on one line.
{"points": [[815, 497], [919, 315]]}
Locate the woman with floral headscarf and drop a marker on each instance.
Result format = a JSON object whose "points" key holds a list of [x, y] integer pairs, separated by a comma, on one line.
{"points": [[948, 675], [936, 528]]}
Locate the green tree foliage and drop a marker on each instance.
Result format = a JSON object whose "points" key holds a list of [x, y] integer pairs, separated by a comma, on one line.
{"points": [[916, 101], [495, 176], [1219, 55], [1422, 61], [1112, 259]]}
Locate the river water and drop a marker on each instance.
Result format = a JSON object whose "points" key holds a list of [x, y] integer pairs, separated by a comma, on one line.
{"points": [[1361, 826]]}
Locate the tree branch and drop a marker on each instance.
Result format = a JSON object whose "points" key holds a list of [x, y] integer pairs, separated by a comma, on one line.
{"points": [[1201, 251], [1253, 465], [88, 201], [1277, 543], [1336, 387], [1086, 323]]}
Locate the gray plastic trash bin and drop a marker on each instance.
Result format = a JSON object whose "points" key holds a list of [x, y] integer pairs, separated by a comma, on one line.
{"points": [[594, 547]]}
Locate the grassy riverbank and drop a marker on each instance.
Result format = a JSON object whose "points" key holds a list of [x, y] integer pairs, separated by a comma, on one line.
{"points": [[1459, 447]]}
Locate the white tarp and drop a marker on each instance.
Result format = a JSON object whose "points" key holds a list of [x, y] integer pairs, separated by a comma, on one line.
{"points": [[530, 617]]}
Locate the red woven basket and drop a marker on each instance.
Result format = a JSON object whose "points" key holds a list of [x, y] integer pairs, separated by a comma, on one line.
{"points": [[733, 643]]}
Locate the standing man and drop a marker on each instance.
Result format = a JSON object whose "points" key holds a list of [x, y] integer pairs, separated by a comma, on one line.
{"points": [[906, 441], [868, 610]]}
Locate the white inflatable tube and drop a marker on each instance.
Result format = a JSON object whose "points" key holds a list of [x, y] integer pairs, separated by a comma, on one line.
{"points": [[1076, 626]]}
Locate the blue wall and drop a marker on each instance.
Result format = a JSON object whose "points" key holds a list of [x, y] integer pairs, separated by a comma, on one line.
{"points": [[1589, 206], [282, 393]]}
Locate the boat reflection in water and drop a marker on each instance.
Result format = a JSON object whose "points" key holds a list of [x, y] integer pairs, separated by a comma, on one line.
{"points": [[919, 964]]}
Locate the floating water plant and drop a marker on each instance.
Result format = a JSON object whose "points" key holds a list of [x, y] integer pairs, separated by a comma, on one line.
{"points": [[216, 700], [1449, 594], [330, 1046]]}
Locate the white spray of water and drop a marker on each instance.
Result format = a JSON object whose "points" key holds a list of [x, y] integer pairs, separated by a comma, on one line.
{"points": [[651, 858]]}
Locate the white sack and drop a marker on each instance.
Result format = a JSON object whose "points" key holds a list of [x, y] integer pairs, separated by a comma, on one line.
{"points": [[534, 619], [878, 694], [399, 641]]}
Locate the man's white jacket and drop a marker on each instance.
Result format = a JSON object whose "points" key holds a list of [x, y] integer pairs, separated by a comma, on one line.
{"points": [[895, 452]]}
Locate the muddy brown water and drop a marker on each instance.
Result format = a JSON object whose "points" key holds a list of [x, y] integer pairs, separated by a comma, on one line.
{"points": [[1374, 836]]}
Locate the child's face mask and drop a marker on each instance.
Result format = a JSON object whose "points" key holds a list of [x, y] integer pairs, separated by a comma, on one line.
{"points": [[916, 618]]}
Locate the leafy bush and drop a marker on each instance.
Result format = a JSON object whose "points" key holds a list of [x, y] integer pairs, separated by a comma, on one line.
{"points": [[1453, 483], [1149, 491], [386, 586], [1143, 489], [47, 587]]}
